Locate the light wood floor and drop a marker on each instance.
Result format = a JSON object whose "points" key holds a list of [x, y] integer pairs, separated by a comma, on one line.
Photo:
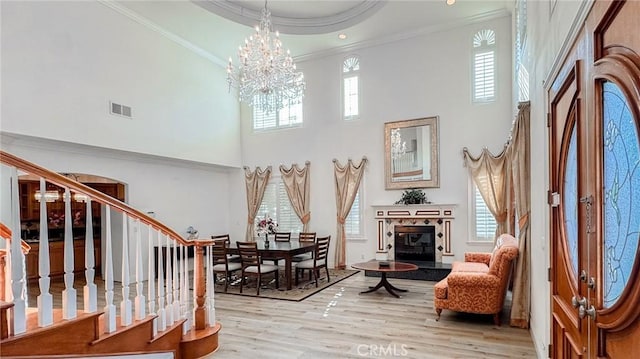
{"points": [[340, 323]]}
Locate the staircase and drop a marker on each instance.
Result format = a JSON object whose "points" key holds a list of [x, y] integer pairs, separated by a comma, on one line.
{"points": [[171, 309]]}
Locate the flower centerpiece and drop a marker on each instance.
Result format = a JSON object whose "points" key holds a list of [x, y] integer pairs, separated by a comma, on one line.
{"points": [[266, 226]]}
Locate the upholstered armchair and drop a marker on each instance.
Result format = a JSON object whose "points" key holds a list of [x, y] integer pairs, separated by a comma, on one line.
{"points": [[479, 284]]}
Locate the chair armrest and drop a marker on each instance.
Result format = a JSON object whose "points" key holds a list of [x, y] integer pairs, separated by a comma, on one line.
{"points": [[477, 257], [472, 280]]}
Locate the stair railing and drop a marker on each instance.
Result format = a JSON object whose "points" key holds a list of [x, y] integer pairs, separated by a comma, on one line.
{"points": [[167, 297]]}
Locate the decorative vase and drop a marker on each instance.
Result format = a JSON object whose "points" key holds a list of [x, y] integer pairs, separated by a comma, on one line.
{"points": [[266, 240]]}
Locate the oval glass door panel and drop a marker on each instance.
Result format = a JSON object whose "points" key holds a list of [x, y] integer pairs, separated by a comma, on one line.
{"points": [[570, 202], [621, 192]]}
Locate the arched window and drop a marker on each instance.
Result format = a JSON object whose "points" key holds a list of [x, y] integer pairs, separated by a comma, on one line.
{"points": [[351, 88], [484, 66]]}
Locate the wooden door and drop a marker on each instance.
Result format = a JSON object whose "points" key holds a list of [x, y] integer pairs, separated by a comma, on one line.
{"points": [[594, 129]]}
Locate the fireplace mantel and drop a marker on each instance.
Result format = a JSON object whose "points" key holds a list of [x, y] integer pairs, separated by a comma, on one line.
{"points": [[439, 215]]}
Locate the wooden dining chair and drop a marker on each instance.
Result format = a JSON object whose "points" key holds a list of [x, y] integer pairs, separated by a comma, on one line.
{"points": [[279, 237], [282, 237], [305, 237], [318, 261], [227, 239], [251, 265], [221, 263]]}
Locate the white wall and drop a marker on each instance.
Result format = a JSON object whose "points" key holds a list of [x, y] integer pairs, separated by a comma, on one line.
{"points": [[63, 61], [413, 78], [546, 34]]}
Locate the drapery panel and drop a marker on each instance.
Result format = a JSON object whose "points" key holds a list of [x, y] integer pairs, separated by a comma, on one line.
{"points": [[490, 175], [296, 183], [519, 156], [497, 178], [256, 183], [347, 179]]}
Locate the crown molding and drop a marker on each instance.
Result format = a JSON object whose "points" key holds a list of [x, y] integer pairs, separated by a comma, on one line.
{"points": [[163, 32], [491, 15], [234, 11]]}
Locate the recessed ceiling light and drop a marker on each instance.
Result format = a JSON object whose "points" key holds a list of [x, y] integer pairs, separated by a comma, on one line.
{"points": [[451, 2], [342, 36]]}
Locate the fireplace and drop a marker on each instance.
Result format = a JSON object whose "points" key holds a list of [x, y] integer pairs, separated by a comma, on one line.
{"points": [[415, 243], [416, 233]]}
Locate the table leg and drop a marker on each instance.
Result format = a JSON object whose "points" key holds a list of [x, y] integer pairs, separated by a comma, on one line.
{"points": [[287, 271], [385, 283]]}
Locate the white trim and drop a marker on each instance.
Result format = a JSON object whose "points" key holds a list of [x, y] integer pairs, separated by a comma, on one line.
{"points": [[405, 35], [567, 45], [162, 31], [234, 11]]}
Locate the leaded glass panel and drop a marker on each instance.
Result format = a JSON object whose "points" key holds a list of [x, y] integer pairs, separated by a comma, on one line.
{"points": [[570, 201], [621, 192]]}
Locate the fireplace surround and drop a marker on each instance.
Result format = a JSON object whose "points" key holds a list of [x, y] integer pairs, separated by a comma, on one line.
{"points": [[438, 218]]}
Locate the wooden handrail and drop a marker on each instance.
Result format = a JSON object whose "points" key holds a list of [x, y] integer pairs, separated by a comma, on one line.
{"points": [[6, 233], [62, 181]]}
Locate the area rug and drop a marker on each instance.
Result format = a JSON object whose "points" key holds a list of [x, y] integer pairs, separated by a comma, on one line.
{"points": [[303, 290]]}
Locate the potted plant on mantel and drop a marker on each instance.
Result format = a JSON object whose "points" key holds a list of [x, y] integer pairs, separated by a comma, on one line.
{"points": [[413, 196]]}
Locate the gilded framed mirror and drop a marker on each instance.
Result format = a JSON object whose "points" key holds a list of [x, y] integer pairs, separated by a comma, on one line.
{"points": [[411, 153]]}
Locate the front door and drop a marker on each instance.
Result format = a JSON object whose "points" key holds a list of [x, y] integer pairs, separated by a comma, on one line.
{"points": [[594, 129]]}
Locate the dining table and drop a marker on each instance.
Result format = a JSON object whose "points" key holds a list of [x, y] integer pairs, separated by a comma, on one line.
{"points": [[281, 250]]}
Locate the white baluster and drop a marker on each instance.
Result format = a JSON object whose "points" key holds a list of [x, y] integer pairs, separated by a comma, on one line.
{"points": [[176, 283], [69, 295], [211, 310], [162, 316], [90, 288], [184, 289], [140, 300], [151, 293], [45, 299], [110, 308], [18, 273], [168, 284], [125, 304]]}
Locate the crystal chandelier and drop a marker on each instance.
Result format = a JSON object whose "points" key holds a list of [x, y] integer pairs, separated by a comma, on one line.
{"points": [[266, 77], [398, 147]]}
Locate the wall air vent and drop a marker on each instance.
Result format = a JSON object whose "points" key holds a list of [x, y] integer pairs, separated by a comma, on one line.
{"points": [[118, 109]]}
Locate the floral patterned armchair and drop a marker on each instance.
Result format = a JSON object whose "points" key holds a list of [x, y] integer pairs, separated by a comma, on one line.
{"points": [[479, 284]]}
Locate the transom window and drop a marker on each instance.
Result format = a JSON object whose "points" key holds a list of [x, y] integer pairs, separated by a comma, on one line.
{"points": [[288, 116], [351, 88], [484, 66]]}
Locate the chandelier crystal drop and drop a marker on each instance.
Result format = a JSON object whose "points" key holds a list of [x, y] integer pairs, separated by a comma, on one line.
{"points": [[398, 146], [266, 76]]}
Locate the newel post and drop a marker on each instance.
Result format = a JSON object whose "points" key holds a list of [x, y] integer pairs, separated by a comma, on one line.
{"points": [[199, 287]]}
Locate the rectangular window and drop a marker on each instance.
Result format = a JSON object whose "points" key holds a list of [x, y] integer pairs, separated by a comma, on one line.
{"points": [[485, 223], [276, 205], [484, 76], [353, 223], [288, 116], [350, 97]]}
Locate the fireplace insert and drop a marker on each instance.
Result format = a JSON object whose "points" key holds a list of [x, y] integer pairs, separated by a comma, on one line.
{"points": [[415, 243]]}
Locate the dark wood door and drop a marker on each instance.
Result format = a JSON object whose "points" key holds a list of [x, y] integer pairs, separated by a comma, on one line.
{"points": [[594, 129]]}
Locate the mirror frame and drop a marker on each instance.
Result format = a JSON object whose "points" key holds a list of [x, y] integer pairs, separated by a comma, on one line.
{"points": [[435, 174]]}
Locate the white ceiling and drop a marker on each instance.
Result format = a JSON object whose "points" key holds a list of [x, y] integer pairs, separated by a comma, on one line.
{"points": [[365, 22]]}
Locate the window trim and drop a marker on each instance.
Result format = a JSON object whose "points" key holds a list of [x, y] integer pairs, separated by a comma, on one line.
{"points": [[346, 75], [482, 49]]}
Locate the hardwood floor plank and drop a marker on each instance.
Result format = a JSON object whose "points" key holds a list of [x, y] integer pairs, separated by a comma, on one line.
{"points": [[341, 323]]}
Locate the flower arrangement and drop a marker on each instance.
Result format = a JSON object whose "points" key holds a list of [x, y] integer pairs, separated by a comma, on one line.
{"points": [[266, 226]]}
